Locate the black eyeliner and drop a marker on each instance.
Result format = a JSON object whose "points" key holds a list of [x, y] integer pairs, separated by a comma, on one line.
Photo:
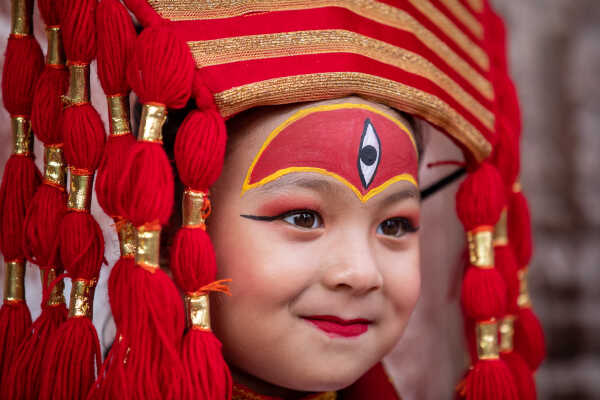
{"points": [[260, 217], [268, 218]]}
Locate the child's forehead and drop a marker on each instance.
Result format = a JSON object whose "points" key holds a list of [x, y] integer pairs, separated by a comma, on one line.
{"points": [[364, 147]]}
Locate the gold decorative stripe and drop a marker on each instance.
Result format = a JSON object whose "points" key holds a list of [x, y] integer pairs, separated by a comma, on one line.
{"points": [[464, 16], [312, 87], [242, 48], [476, 5], [181, 10], [453, 32]]}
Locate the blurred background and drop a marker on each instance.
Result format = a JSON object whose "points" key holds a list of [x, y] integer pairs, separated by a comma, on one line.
{"points": [[555, 61]]}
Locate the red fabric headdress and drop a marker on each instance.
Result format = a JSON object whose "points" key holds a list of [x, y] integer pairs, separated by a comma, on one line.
{"points": [[443, 61]]}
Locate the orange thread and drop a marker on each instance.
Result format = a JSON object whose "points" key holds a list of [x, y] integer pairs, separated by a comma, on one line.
{"points": [[483, 228], [216, 286], [83, 63], [119, 223], [151, 226], [80, 171], [196, 226], [13, 302], [155, 103], [150, 268], [53, 184], [88, 282]]}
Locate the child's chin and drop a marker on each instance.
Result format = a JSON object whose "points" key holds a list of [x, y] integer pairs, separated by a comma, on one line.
{"points": [[327, 382]]}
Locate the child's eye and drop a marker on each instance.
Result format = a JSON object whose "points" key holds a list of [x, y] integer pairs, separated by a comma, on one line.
{"points": [[396, 227], [303, 219]]}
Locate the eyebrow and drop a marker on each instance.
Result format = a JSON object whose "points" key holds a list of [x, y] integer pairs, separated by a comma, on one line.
{"points": [[293, 180], [411, 193], [325, 187]]}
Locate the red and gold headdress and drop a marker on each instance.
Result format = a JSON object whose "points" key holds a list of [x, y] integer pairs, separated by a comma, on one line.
{"points": [[441, 60]]}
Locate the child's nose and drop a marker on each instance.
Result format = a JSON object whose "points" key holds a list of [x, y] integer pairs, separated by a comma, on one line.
{"points": [[351, 265]]}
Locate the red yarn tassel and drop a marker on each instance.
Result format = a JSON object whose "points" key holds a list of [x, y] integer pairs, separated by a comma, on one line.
{"points": [[47, 105], [529, 334], [112, 380], [26, 376], [46, 210], [519, 227], [529, 338], [479, 201], [209, 374], [507, 266], [23, 63], [15, 322], [115, 41], [489, 380], [152, 319], [19, 183], [522, 375], [116, 35], [73, 354], [199, 152]]}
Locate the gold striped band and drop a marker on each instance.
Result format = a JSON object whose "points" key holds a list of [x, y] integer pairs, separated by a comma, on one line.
{"points": [[321, 86], [453, 32], [464, 16], [476, 5], [241, 48], [182, 10]]}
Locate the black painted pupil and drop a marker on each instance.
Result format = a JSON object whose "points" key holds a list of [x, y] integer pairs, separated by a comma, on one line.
{"points": [[368, 155], [304, 220], [390, 227]]}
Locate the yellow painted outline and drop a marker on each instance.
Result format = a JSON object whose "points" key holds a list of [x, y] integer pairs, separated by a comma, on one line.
{"points": [[328, 107]]}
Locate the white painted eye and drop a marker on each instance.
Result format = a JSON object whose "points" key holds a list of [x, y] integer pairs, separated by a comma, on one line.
{"points": [[369, 154]]}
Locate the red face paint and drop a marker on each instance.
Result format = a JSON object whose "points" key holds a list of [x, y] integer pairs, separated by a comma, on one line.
{"points": [[361, 146]]}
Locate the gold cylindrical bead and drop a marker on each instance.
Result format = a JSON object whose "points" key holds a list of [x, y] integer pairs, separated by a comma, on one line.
{"points": [[56, 52], [54, 166], [20, 17], [523, 300], [487, 340], [79, 85], [516, 187], [14, 282], [57, 296], [118, 112], [80, 192], [481, 251], [22, 137], [198, 311], [151, 122], [82, 298], [501, 230], [147, 252], [507, 333], [195, 209], [127, 239]]}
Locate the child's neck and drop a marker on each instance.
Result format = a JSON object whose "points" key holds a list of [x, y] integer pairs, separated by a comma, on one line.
{"points": [[264, 388]]}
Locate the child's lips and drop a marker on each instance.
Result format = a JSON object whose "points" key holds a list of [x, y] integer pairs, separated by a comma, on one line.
{"points": [[335, 326]]}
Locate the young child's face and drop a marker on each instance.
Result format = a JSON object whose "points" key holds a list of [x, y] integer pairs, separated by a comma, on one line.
{"points": [[315, 220]]}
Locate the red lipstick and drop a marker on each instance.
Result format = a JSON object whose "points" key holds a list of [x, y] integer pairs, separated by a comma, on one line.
{"points": [[335, 326]]}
